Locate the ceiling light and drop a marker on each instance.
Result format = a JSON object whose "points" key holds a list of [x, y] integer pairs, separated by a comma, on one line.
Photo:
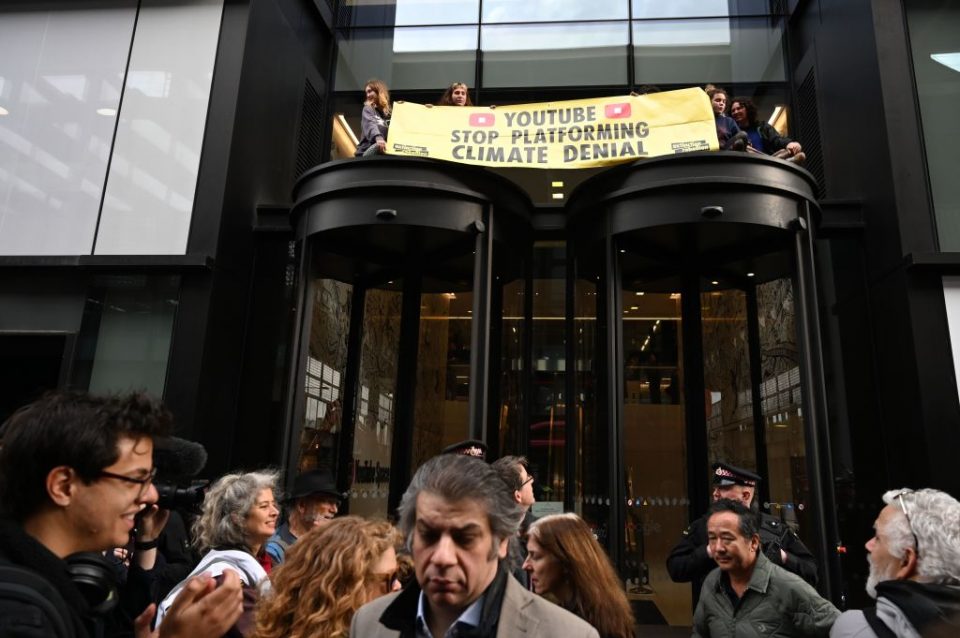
{"points": [[777, 110], [715, 282], [750, 274], [949, 60], [556, 184], [557, 195], [108, 112], [634, 307], [622, 251], [639, 294], [4, 111]]}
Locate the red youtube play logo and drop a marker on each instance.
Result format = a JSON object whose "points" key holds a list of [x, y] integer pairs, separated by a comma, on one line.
{"points": [[613, 111], [481, 119]]}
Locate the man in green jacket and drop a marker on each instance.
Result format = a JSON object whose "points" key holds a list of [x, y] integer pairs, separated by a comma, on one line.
{"points": [[747, 595]]}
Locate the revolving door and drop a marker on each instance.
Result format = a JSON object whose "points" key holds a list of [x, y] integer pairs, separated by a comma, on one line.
{"points": [[695, 339], [412, 284]]}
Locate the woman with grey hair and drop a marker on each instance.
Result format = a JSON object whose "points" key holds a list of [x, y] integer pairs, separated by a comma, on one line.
{"points": [[239, 515]]}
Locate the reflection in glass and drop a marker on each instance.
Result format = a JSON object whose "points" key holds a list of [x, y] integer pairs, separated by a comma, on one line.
{"points": [[59, 94], [124, 341], [441, 408], [548, 411], [711, 50], [406, 58], [551, 10], [699, 8], [375, 403], [654, 449], [511, 367], [324, 375], [935, 44], [726, 373], [782, 401], [357, 13], [568, 54]]}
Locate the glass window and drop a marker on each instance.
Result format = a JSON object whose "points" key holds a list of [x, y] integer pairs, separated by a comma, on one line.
{"points": [[699, 8], [711, 50], [125, 335], [935, 43], [654, 449], [512, 336], [406, 58], [357, 13], [586, 53], [148, 201], [551, 10], [59, 93], [376, 396], [324, 376], [726, 374], [441, 407], [781, 403]]}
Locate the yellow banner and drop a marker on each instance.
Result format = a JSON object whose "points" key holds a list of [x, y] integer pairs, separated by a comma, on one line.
{"points": [[568, 134]]}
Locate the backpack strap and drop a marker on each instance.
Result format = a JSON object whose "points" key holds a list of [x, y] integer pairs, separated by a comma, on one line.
{"points": [[876, 624], [25, 586]]}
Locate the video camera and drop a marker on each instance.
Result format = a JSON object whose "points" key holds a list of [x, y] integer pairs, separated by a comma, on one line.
{"points": [[181, 497]]}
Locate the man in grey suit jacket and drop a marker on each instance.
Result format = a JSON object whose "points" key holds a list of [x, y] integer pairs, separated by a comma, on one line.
{"points": [[457, 519]]}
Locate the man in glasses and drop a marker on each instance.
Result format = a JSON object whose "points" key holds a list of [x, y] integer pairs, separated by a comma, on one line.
{"points": [[75, 471], [513, 472], [914, 559], [692, 559]]}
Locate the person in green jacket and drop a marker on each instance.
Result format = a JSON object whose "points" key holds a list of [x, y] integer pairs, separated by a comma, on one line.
{"points": [[747, 595]]}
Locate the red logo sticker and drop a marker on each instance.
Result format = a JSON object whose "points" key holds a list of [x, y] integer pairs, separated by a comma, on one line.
{"points": [[617, 110], [481, 119]]}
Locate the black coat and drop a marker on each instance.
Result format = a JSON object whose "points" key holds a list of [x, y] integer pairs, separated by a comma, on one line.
{"points": [[23, 620], [688, 561]]}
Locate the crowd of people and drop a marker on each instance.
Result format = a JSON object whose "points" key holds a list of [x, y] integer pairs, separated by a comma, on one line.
{"points": [[81, 529], [738, 128]]}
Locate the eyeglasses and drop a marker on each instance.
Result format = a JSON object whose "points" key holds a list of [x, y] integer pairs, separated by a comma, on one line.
{"points": [[529, 480], [906, 515], [144, 483]]}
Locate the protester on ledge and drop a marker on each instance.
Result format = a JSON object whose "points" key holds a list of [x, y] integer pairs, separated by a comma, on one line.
{"points": [[374, 120], [568, 565], [762, 136], [729, 135], [457, 94]]}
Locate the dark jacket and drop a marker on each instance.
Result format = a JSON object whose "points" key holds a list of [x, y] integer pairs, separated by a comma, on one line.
{"points": [[776, 604], [906, 609], [373, 127], [27, 621], [771, 140], [688, 561]]}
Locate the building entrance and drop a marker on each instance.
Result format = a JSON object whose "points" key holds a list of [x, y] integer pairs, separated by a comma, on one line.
{"points": [[691, 346]]}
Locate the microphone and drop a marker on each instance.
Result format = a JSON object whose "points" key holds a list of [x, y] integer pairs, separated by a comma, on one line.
{"points": [[177, 458]]}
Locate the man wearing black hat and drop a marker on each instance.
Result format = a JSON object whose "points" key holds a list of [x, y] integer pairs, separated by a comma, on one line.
{"points": [[313, 503], [691, 561], [470, 447]]}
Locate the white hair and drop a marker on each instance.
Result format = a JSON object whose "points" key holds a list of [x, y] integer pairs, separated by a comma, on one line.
{"points": [[934, 517], [226, 506]]}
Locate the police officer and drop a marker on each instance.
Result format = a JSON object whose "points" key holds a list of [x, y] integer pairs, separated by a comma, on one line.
{"points": [[690, 561]]}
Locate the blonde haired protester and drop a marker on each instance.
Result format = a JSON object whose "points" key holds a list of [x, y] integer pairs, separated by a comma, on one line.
{"points": [[330, 573], [239, 515], [374, 119], [568, 565]]}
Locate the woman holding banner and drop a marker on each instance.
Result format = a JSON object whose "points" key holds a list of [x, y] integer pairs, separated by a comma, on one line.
{"points": [[457, 94], [374, 119]]}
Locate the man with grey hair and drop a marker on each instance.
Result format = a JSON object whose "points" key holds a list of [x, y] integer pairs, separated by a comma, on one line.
{"points": [[914, 559], [457, 518]]}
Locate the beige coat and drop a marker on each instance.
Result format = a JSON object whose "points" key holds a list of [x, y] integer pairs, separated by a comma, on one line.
{"points": [[523, 614]]}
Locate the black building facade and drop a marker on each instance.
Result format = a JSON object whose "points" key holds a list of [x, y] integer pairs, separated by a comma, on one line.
{"points": [[179, 213]]}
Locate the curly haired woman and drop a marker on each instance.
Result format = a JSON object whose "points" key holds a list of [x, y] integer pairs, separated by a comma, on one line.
{"points": [[328, 574], [567, 564]]}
